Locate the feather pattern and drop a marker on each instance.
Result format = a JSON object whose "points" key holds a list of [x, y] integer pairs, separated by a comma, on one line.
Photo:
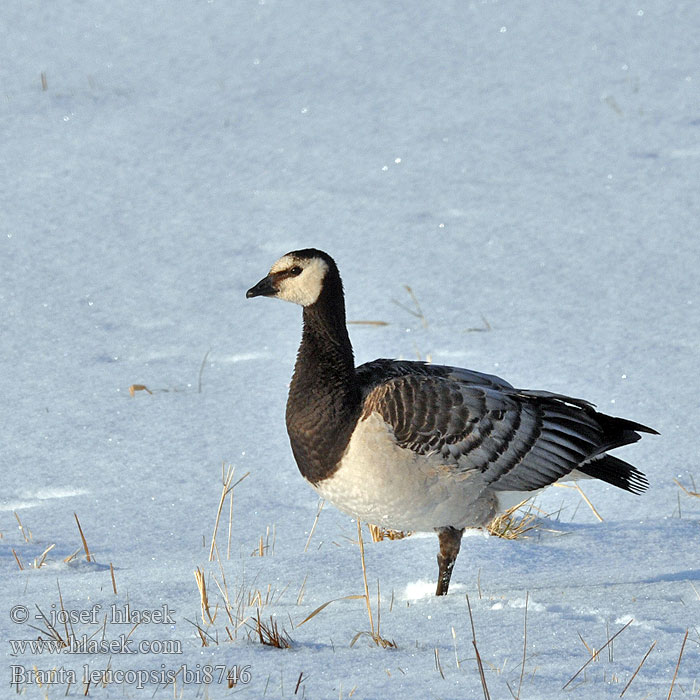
{"points": [[518, 440]]}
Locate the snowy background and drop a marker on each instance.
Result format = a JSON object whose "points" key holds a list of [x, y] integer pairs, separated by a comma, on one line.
{"points": [[531, 169]]}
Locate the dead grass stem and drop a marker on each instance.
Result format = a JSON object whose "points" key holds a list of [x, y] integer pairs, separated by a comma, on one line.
{"points": [[139, 387], [675, 673], [480, 329], [207, 617], [438, 665], [511, 524], [417, 312], [302, 590], [588, 502], [379, 533], [84, 541], [321, 503], [264, 546], [479, 664], [326, 604], [373, 634], [18, 560], [269, 633], [114, 582], [39, 562], [201, 371], [227, 488], [641, 663], [26, 532], [595, 654], [364, 575], [685, 489], [522, 668]]}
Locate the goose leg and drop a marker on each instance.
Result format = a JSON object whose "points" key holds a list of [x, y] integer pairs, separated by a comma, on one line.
{"points": [[450, 540]]}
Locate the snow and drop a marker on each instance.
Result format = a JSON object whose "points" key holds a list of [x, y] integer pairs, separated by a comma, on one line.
{"points": [[529, 170]]}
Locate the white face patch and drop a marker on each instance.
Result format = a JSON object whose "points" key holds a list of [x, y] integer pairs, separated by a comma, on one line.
{"points": [[305, 288]]}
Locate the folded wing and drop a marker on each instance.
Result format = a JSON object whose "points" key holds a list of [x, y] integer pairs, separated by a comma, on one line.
{"points": [[519, 440]]}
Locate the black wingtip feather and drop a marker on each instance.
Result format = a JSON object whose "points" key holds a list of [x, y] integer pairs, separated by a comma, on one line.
{"points": [[620, 431], [617, 472]]}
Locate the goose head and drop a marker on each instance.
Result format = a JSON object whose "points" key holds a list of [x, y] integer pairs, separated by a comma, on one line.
{"points": [[298, 277]]}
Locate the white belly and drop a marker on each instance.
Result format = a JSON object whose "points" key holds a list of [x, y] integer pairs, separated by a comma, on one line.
{"points": [[387, 485]]}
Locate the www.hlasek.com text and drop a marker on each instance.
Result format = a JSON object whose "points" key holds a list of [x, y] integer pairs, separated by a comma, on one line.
{"points": [[85, 644]]}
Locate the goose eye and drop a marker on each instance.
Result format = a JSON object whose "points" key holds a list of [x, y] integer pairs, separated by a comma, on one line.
{"points": [[296, 270]]}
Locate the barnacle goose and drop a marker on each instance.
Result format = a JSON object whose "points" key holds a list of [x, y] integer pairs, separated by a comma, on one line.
{"points": [[421, 447]]}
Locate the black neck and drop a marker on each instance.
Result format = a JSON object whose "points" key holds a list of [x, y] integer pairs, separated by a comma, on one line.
{"points": [[324, 400]]}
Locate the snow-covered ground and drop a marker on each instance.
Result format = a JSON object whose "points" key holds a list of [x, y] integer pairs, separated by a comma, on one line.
{"points": [[528, 169]]}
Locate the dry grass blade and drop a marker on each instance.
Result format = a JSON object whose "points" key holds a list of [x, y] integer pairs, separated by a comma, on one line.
{"points": [[592, 652], [269, 633], [114, 582], [321, 503], [227, 488], [595, 655], [38, 563], [369, 323], [300, 595], [82, 537], [50, 630], [264, 546], [510, 525], [583, 495], [364, 574], [204, 598], [376, 637], [70, 633], [227, 606], [522, 668], [695, 494], [675, 673], [203, 635], [484, 687], [378, 533], [588, 503], [17, 559], [641, 663], [201, 371], [480, 329], [326, 604], [454, 641], [230, 525], [438, 665], [418, 313], [374, 634], [70, 557], [379, 641], [26, 532], [139, 387]]}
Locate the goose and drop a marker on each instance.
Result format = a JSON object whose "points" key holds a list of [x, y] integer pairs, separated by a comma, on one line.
{"points": [[414, 446]]}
